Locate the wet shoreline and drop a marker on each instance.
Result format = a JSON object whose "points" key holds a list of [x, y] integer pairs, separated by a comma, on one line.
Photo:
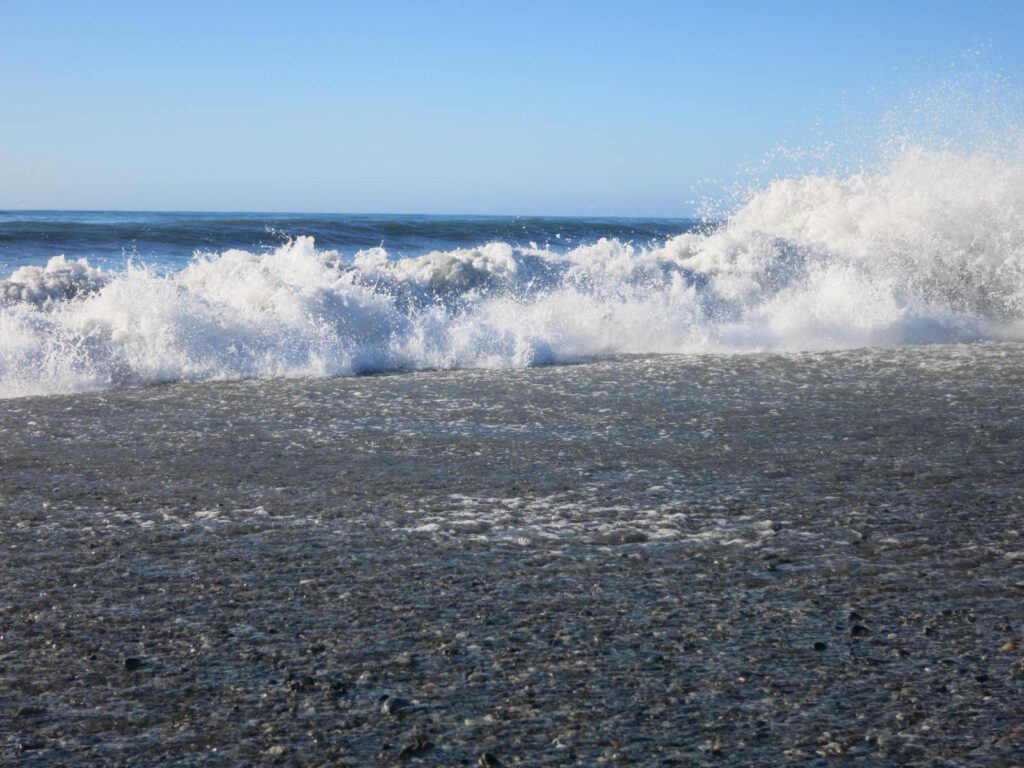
{"points": [[663, 561]]}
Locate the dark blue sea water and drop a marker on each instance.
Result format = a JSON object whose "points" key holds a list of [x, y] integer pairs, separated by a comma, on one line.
{"points": [[168, 240]]}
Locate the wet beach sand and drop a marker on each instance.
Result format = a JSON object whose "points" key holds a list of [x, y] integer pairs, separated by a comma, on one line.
{"points": [[723, 560]]}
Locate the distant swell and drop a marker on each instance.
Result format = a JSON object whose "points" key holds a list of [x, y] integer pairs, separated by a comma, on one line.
{"points": [[929, 250]]}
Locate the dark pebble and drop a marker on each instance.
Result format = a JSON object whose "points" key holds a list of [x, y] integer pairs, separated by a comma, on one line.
{"points": [[858, 629], [393, 706], [301, 683], [416, 747], [819, 645], [132, 663], [30, 711], [487, 760]]}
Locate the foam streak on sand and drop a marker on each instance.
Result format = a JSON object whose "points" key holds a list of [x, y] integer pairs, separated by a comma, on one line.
{"points": [[928, 249]]}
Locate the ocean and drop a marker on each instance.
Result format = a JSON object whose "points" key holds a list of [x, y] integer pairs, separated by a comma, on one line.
{"points": [[927, 250], [310, 490]]}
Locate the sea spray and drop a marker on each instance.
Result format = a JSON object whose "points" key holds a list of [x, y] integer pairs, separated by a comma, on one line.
{"points": [[927, 248]]}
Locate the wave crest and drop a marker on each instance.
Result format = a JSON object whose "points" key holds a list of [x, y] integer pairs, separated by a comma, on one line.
{"points": [[59, 280], [929, 250]]}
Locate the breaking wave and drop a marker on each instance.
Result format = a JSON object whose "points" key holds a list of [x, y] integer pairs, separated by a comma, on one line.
{"points": [[928, 249]]}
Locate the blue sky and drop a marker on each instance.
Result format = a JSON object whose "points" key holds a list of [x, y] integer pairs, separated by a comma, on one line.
{"points": [[591, 108]]}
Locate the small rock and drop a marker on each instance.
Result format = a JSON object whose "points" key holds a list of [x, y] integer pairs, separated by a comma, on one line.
{"points": [[393, 706], [830, 749], [301, 683], [819, 645], [714, 746], [132, 663], [416, 747], [1009, 646], [858, 629], [651, 658], [487, 760], [27, 712]]}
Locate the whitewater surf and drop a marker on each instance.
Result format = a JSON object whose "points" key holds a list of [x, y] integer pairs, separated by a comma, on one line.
{"points": [[929, 248]]}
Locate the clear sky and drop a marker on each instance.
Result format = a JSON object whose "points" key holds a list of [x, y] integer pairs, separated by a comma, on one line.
{"points": [[593, 108]]}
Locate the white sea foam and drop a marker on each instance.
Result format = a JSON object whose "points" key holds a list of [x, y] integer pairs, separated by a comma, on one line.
{"points": [[928, 249]]}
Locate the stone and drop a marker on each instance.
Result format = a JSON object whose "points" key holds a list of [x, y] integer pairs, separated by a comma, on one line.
{"points": [[28, 712], [417, 746], [393, 706]]}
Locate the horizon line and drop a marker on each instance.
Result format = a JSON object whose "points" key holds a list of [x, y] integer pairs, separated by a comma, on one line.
{"points": [[297, 212]]}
